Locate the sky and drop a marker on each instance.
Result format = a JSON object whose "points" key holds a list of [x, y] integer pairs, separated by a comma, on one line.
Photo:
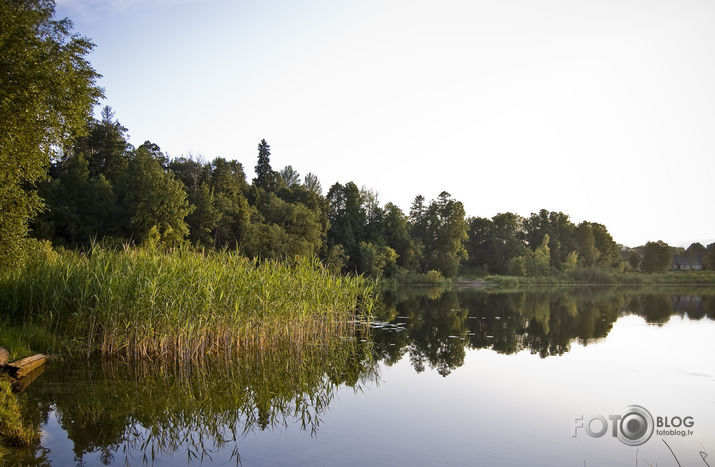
{"points": [[604, 110]]}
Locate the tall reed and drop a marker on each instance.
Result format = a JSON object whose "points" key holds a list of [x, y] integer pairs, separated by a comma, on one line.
{"points": [[181, 304]]}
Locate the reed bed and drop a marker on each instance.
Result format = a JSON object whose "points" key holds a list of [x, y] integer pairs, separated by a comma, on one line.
{"points": [[181, 304]]}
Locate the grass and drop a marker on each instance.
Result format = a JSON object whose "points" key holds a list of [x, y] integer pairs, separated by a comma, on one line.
{"points": [[13, 432], [177, 305], [603, 276]]}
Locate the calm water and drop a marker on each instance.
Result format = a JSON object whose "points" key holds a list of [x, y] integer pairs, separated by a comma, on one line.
{"points": [[444, 378]]}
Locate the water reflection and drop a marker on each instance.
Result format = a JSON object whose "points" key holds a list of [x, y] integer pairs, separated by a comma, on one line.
{"points": [[115, 412], [121, 412], [435, 327]]}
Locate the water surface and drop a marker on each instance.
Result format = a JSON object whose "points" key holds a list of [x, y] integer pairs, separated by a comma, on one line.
{"points": [[442, 378]]}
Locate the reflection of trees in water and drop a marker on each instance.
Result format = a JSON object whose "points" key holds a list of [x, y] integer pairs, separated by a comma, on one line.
{"points": [[143, 410], [139, 411], [438, 328]]}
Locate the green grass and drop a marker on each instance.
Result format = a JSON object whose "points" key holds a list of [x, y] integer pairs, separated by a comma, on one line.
{"points": [[23, 341], [604, 276], [181, 304], [13, 432]]}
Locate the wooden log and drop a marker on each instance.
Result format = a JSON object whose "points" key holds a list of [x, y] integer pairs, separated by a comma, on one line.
{"points": [[4, 355], [19, 385], [25, 366]]}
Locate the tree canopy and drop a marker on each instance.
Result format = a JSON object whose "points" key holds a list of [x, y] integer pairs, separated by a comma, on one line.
{"points": [[47, 91]]}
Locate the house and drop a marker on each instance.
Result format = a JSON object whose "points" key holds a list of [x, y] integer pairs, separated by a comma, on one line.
{"points": [[686, 263]]}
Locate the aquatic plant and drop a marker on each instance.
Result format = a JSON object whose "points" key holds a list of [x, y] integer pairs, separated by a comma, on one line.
{"points": [[181, 304]]}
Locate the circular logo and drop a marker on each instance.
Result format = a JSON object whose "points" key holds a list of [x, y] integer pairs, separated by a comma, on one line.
{"points": [[636, 426]]}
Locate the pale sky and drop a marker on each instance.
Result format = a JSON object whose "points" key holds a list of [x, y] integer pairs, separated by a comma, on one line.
{"points": [[601, 109]]}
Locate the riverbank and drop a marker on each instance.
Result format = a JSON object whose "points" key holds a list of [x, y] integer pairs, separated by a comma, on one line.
{"points": [[175, 305], [604, 277], [584, 276]]}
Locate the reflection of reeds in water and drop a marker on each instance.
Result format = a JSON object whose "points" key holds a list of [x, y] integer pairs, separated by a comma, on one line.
{"points": [[144, 409], [182, 305]]}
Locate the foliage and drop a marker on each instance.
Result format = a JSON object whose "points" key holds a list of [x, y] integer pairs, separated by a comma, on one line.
{"points": [[266, 178], [634, 259], [154, 199], [312, 183], [290, 177], [47, 93], [709, 257], [657, 257], [377, 259], [441, 230]]}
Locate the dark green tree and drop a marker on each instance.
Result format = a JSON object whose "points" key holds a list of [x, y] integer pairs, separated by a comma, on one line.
{"points": [[266, 178], [347, 221], [79, 208], [397, 236], [657, 257], [634, 259], [47, 91], [505, 241], [478, 243], [105, 147]]}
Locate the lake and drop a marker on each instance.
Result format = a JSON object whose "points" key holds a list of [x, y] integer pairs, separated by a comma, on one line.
{"points": [[581, 376]]}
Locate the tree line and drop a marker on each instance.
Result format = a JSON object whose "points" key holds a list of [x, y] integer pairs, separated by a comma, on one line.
{"points": [[72, 179], [104, 189]]}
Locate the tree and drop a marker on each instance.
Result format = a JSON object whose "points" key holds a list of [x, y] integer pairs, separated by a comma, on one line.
{"points": [[709, 258], [560, 230], [444, 232], [586, 244], [155, 200], [80, 208], [571, 262], [312, 183], [291, 229], [537, 262], [227, 181], [105, 147], [347, 221], [47, 91], [290, 177], [657, 257], [205, 217], [397, 236], [266, 178], [504, 241], [376, 260], [634, 259], [695, 252], [608, 254]]}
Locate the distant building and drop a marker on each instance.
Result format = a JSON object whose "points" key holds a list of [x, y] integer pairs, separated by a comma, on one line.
{"points": [[686, 263]]}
